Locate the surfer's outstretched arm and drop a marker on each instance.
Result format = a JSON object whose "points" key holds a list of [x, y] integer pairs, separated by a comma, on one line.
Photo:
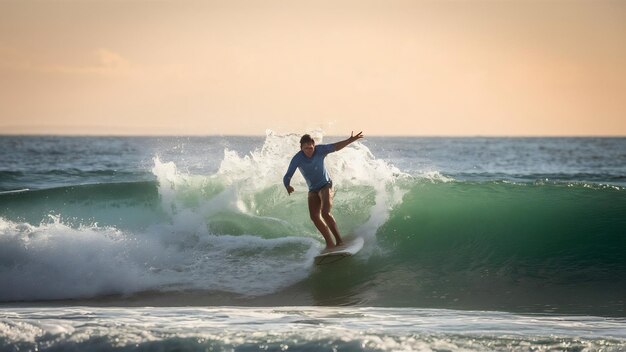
{"points": [[352, 138]]}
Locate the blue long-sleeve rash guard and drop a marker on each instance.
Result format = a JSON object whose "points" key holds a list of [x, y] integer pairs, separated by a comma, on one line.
{"points": [[312, 169]]}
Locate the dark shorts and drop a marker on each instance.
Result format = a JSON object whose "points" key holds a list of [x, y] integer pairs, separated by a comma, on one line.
{"points": [[329, 185]]}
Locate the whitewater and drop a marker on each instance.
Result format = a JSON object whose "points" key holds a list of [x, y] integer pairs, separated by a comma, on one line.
{"points": [[470, 244]]}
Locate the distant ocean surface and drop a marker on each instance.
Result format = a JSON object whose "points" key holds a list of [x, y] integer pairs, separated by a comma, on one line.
{"points": [[192, 243]]}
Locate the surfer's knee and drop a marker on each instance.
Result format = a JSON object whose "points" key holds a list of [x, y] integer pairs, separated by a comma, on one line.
{"points": [[326, 215], [315, 217]]}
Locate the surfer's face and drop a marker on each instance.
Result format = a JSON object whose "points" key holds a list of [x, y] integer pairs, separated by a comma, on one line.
{"points": [[308, 148]]}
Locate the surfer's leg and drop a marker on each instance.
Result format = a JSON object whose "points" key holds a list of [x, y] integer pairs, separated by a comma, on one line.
{"points": [[326, 196], [315, 206]]}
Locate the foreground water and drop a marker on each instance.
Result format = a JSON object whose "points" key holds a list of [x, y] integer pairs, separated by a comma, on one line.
{"points": [[456, 229], [302, 329]]}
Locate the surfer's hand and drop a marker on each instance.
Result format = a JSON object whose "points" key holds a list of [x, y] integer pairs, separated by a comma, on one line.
{"points": [[354, 138], [289, 189]]}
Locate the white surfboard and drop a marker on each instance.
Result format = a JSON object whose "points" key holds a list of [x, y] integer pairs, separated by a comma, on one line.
{"points": [[348, 249]]}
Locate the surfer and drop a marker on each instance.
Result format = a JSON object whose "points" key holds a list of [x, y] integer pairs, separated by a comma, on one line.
{"points": [[310, 161]]}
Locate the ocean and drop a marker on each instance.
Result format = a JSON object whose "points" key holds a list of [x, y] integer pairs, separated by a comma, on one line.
{"points": [[192, 243]]}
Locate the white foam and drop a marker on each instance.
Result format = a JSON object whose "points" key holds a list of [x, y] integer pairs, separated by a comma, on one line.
{"points": [[434, 176], [52, 260], [304, 328], [55, 261]]}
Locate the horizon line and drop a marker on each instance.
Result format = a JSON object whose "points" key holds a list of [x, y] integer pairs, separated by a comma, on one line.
{"points": [[76, 135]]}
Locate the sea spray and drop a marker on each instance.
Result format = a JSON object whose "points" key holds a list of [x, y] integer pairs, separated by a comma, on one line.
{"points": [[353, 167]]}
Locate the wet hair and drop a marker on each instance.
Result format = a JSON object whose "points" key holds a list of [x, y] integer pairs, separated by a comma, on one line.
{"points": [[306, 139]]}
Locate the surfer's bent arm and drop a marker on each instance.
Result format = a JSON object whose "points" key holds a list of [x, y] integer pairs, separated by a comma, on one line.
{"points": [[293, 165], [344, 143]]}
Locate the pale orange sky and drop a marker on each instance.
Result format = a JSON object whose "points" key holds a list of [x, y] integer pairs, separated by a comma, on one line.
{"points": [[385, 67]]}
